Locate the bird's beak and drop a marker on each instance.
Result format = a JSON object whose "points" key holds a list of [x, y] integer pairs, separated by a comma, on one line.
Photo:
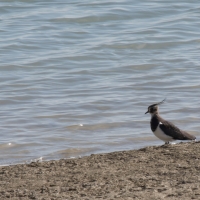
{"points": [[147, 112]]}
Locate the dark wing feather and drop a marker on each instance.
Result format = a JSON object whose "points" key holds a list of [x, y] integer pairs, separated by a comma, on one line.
{"points": [[170, 129]]}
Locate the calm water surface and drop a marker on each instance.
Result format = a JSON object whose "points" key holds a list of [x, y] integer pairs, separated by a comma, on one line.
{"points": [[77, 76]]}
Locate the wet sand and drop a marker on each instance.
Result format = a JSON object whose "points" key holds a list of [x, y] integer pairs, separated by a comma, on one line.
{"points": [[157, 172]]}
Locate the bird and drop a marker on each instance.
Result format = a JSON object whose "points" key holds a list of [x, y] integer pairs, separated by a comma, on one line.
{"points": [[163, 129]]}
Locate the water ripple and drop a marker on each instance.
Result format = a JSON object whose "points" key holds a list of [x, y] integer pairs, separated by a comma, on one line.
{"points": [[76, 77]]}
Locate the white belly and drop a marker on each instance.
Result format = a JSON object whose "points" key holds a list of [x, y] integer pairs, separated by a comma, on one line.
{"points": [[160, 134]]}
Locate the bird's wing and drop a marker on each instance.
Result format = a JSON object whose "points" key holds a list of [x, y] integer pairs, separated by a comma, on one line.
{"points": [[170, 129]]}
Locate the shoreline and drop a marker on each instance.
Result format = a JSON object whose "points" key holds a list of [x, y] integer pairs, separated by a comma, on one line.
{"points": [[154, 172]]}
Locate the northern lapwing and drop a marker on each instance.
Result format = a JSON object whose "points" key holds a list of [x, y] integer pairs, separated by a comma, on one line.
{"points": [[163, 129]]}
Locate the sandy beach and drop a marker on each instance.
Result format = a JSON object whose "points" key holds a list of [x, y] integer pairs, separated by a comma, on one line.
{"points": [[157, 172]]}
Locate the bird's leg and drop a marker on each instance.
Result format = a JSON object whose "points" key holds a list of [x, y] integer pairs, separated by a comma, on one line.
{"points": [[166, 142]]}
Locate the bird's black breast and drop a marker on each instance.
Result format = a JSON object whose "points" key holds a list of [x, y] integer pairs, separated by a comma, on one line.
{"points": [[154, 123]]}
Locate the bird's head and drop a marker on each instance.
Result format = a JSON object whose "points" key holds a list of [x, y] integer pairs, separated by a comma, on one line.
{"points": [[153, 109]]}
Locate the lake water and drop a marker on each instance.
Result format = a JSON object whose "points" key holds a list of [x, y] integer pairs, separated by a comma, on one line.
{"points": [[77, 76]]}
